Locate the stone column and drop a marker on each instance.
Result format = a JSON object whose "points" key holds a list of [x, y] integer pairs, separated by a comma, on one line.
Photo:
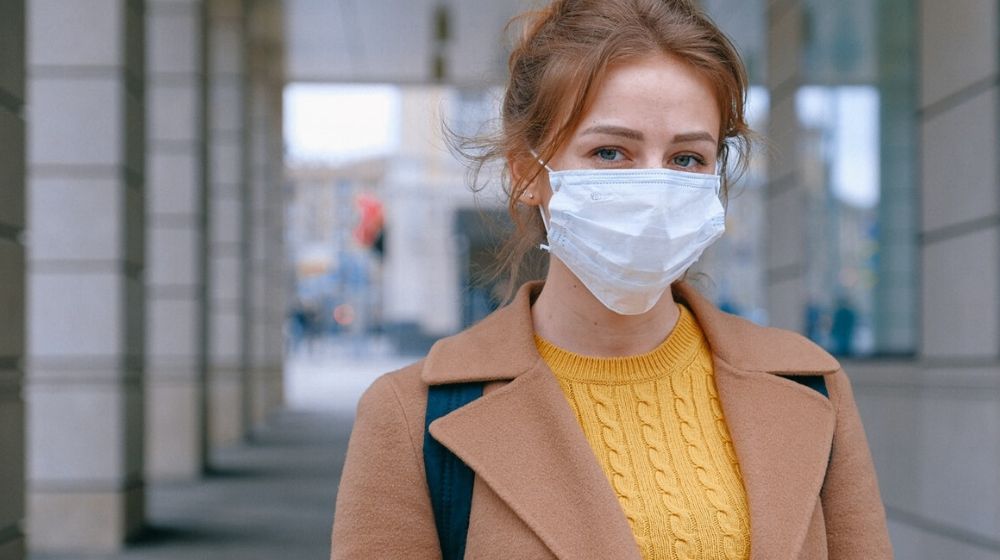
{"points": [[12, 274], [960, 180], [228, 235], [785, 193], [276, 270], [267, 258], [86, 324], [176, 216]]}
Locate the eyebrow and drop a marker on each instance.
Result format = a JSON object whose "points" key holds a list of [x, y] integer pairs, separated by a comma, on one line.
{"points": [[615, 131], [695, 137], [633, 134]]}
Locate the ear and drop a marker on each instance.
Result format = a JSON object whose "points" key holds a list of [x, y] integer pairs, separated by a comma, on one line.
{"points": [[527, 168]]}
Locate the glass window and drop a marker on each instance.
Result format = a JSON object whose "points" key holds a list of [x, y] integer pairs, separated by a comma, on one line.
{"points": [[854, 107]]}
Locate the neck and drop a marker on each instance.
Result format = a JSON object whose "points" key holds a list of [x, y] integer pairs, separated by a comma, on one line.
{"points": [[570, 317]]}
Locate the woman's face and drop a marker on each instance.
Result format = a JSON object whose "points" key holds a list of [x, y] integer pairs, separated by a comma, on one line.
{"points": [[649, 113]]}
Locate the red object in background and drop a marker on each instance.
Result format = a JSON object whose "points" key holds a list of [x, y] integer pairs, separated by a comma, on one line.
{"points": [[372, 219], [343, 314]]}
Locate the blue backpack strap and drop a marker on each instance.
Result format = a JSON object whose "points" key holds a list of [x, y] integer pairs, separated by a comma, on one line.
{"points": [[448, 478], [815, 382]]}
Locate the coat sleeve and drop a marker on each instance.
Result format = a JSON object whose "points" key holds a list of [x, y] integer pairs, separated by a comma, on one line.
{"points": [[852, 507], [383, 506]]}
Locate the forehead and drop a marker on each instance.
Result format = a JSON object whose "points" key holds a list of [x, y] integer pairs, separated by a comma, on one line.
{"points": [[655, 93]]}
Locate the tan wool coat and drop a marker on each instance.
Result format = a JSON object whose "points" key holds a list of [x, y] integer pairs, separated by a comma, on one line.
{"points": [[539, 491]]}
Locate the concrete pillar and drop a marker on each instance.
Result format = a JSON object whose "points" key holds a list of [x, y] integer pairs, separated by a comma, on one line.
{"points": [[86, 324], [276, 269], [267, 257], [786, 198], [176, 222], [267, 355], [960, 219], [12, 274], [228, 216]]}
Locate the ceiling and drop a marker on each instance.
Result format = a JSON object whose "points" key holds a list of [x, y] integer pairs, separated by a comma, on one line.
{"points": [[393, 41]]}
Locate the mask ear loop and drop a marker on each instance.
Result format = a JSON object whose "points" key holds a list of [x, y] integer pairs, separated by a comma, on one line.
{"points": [[541, 210]]}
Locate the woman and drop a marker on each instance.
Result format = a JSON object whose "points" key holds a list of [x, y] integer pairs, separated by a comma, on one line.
{"points": [[623, 416]]}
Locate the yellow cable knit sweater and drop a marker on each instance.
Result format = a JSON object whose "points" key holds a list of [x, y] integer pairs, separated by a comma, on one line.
{"points": [[655, 424]]}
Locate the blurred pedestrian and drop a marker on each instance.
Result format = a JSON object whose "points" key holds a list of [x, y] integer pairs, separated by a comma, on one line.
{"points": [[622, 415], [842, 327]]}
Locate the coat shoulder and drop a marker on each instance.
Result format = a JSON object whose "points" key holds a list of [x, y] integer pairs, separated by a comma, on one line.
{"points": [[400, 390], [774, 350]]}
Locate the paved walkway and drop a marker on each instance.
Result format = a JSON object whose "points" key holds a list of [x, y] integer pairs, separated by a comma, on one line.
{"points": [[272, 498]]}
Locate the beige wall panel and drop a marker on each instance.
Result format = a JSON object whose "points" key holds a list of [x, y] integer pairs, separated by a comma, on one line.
{"points": [[173, 256], [173, 429], [959, 163], [174, 40], [226, 278], [61, 212], [959, 43], [69, 451], [226, 216], [913, 542], [73, 110], [76, 316], [225, 337], [227, 46], [96, 521], [99, 46], [171, 331], [226, 402], [891, 414], [782, 145], [173, 183], [959, 453], [785, 235], [226, 100], [226, 160], [784, 39], [173, 112], [786, 302], [960, 297]]}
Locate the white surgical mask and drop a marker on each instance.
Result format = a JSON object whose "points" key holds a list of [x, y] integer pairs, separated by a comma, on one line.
{"points": [[627, 234]]}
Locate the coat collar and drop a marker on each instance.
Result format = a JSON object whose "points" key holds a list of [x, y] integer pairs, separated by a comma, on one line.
{"points": [[502, 346], [523, 440]]}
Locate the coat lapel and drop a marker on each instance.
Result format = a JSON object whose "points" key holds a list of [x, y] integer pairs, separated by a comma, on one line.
{"points": [[523, 440], [781, 430]]}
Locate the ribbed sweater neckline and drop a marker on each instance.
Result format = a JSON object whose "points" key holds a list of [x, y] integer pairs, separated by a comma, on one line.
{"points": [[673, 354]]}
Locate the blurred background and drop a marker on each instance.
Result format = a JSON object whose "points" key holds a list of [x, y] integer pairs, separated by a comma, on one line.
{"points": [[221, 219]]}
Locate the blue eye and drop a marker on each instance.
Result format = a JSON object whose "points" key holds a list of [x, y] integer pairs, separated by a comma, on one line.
{"points": [[687, 160], [608, 154]]}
